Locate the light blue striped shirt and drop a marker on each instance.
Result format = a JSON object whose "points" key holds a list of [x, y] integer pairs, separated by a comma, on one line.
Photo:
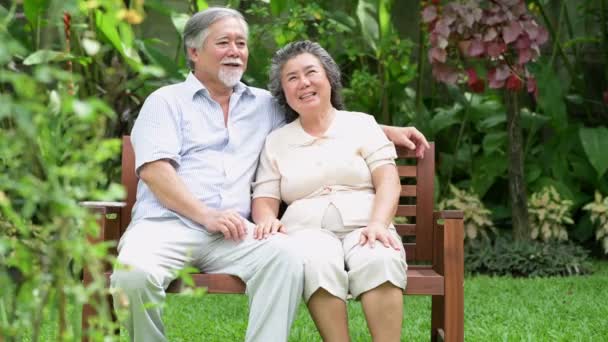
{"points": [[217, 162]]}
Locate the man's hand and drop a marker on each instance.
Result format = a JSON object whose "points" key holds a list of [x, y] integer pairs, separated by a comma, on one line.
{"points": [[228, 222], [267, 227], [408, 137], [377, 231]]}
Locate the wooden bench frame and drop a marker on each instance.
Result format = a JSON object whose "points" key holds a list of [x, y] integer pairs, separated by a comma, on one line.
{"points": [[439, 246]]}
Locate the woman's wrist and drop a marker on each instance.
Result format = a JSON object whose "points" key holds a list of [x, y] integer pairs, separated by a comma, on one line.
{"points": [[265, 218], [381, 223]]}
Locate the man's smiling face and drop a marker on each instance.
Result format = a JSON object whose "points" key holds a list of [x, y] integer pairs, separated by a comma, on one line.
{"points": [[224, 54]]}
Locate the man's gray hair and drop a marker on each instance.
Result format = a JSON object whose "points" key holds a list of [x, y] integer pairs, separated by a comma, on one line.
{"points": [[294, 49], [197, 27]]}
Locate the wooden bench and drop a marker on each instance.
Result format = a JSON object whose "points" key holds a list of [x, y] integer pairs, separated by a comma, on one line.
{"points": [[433, 242]]}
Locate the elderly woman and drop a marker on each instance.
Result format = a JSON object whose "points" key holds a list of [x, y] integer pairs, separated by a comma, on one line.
{"points": [[335, 169]]}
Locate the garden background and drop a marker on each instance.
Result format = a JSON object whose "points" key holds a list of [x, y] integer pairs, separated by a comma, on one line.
{"points": [[514, 94]]}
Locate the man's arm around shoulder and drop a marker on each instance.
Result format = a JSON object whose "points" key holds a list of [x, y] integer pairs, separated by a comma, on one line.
{"points": [[408, 137]]}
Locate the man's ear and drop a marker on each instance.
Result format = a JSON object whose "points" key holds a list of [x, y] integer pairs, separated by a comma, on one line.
{"points": [[193, 54]]}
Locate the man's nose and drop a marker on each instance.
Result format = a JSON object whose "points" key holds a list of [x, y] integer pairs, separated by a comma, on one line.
{"points": [[233, 49]]}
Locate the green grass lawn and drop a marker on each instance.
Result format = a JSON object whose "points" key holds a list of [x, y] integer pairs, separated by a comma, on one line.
{"points": [[496, 309]]}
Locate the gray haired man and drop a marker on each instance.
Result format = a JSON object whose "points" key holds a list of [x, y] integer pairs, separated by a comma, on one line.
{"points": [[196, 148]]}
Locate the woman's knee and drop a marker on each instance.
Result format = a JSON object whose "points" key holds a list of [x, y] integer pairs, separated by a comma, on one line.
{"points": [[379, 257]]}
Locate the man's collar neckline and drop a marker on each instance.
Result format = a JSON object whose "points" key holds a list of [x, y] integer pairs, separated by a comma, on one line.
{"points": [[194, 86]]}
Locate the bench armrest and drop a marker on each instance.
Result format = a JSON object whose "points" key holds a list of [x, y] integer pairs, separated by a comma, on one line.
{"points": [[103, 204], [450, 214], [448, 245]]}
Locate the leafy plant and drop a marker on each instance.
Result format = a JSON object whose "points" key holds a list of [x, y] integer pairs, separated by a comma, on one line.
{"points": [[549, 215], [52, 157], [477, 222], [599, 216], [595, 144], [375, 61], [274, 26], [527, 258]]}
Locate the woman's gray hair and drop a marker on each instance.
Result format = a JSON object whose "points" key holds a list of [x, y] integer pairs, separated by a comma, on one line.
{"points": [[197, 27], [294, 49]]}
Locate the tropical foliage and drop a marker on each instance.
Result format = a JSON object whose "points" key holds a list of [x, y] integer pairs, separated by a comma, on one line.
{"points": [[549, 215], [599, 217], [73, 75], [528, 258], [477, 221], [53, 157]]}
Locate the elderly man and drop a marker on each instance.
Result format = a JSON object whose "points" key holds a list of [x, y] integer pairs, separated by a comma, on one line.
{"points": [[197, 145]]}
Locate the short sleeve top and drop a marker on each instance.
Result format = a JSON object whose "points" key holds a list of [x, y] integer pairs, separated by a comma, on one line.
{"points": [[309, 172], [215, 159]]}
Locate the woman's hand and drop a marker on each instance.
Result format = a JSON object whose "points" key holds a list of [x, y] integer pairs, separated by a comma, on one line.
{"points": [[267, 227], [378, 231]]}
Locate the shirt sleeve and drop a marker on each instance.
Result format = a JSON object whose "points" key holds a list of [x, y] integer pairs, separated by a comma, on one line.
{"points": [[155, 134], [268, 178], [278, 116], [377, 150]]}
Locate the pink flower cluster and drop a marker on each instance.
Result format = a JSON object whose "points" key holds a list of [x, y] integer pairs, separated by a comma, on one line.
{"points": [[500, 32]]}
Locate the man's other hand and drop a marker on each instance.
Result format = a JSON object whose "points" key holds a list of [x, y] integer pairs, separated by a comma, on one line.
{"points": [[408, 137]]}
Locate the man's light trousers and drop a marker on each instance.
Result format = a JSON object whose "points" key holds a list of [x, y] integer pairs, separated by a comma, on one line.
{"points": [[152, 251]]}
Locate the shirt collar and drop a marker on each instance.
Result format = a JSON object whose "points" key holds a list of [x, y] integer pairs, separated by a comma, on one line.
{"points": [[301, 138], [194, 86]]}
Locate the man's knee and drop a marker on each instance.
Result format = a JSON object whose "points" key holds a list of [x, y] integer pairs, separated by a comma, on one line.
{"points": [[132, 279], [286, 257]]}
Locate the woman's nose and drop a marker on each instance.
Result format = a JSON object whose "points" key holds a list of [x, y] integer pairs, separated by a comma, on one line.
{"points": [[304, 82]]}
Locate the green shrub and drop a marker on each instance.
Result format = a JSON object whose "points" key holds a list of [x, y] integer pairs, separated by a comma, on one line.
{"points": [[529, 258], [477, 222], [52, 156], [549, 214], [599, 217]]}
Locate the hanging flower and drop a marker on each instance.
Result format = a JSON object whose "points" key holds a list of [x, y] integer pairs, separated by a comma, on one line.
{"points": [[476, 84]]}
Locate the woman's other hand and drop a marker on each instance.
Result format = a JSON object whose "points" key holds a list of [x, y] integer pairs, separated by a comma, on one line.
{"points": [[378, 231], [267, 227]]}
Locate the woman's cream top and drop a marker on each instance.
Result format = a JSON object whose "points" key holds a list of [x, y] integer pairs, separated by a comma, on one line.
{"points": [[309, 173]]}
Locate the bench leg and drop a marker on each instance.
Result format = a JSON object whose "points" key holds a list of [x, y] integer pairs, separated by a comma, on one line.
{"points": [[454, 281], [437, 318], [88, 312]]}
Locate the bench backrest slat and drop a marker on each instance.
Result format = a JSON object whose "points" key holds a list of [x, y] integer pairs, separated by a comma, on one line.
{"points": [[128, 180], [417, 191]]}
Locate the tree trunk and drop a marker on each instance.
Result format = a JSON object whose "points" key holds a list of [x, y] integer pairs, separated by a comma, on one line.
{"points": [[517, 183]]}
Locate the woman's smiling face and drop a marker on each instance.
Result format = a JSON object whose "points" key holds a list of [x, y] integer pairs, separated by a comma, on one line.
{"points": [[305, 84]]}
